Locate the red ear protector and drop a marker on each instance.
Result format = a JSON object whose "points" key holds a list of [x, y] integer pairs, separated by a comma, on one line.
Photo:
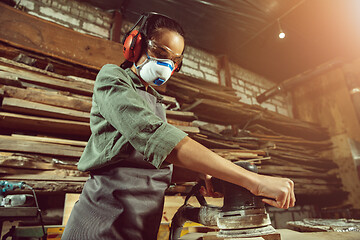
{"points": [[133, 40], [132, 46]]}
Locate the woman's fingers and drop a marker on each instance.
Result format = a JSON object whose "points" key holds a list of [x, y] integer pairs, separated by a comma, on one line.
{"points": [[279, 190], [271, 202], [208, 185], [293, 199], [208, 190], [288, 200], [203, 191]]}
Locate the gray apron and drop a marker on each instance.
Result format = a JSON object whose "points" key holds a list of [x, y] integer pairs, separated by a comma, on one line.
{"points": [[124, 200]]}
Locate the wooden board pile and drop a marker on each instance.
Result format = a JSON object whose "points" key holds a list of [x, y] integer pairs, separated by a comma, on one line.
{"points": [[44, 126], [44, 122], [294, 149]]}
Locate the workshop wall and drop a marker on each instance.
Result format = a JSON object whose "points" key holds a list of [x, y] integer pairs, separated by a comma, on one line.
{"points": [[78, 16], [248, 85], [329, 102], [88, 19]]}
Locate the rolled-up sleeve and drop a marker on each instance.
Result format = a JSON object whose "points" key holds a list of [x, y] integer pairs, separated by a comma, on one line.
{"points": [[129, 114]]}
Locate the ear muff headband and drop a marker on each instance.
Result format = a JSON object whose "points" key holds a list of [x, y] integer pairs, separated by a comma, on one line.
{"points": [[132, 46], [133, 40]]}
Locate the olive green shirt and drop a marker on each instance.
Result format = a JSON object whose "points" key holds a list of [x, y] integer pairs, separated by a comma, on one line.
{"points": [[121, 120]]}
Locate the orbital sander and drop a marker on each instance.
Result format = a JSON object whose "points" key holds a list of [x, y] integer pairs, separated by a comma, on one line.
{"points": [[242, 215]]}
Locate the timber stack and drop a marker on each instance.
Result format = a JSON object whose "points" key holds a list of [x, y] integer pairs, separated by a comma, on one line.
{"points": [[295, 149], [44, 122]]}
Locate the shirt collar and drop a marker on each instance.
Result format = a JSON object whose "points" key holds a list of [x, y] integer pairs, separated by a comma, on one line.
{"points": [[138, 84]]}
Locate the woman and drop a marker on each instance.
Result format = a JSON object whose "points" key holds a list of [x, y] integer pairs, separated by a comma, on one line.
{"points": [[131, 151]]}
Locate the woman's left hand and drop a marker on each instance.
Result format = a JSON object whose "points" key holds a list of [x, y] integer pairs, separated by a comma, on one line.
{"points": [[208, 190]]}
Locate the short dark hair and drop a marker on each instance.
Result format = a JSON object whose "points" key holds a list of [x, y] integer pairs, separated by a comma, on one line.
{"points": [[157, 21]]}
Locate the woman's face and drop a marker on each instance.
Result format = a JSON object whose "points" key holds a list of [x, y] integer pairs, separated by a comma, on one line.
{"points": [[172, 44]]}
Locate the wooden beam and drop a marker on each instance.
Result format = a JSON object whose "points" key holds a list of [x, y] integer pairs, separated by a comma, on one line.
{"points": [[224, 71], [50, 82], [39, 109], [53, 98], [188, 129], [116, 26], [22, 30], [50, 140], [35, 161], [8, 143], [60, 67], [33, 124], [14, 64], [179, 115]]}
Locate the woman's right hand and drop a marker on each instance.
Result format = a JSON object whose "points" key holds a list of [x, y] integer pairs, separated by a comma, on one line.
{"points": [[279, 192]]}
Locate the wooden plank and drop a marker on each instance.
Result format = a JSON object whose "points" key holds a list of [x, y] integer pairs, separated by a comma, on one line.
{"points": [[8, 143], [178, 122], [10, 79], [53, 98], [288, 173], [54, 83], [11, 63], [9, 160], [45, 177], [188, 89], [50, 140], [20, 29], [37, 125], [169, 100], [179, 115], [39, 109], [60, 67], [188, 129], [33, 161], [217, 143]]}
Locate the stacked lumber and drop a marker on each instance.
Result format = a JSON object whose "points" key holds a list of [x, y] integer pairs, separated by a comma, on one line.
{"points": [[186, 89], [301, 160], [44, 119], [294, 148], [65, 101], [44, 126]]}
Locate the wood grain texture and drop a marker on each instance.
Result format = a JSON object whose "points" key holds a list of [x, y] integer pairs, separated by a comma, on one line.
{"points": [[39, 109], [32, 124], [54, 98], [8, 143], [20, 29]]}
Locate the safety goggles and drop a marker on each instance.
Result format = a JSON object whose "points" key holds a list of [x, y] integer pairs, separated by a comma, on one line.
{"points": [[163, 52]]}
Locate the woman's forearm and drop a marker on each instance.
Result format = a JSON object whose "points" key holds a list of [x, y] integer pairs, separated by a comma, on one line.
{"points": [[192, 155]]}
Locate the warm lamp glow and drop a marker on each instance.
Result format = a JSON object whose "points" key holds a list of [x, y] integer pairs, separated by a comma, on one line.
{"points": [[281, 32]]}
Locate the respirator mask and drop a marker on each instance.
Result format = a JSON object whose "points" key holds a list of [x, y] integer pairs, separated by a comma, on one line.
{"points": [[155, 71]]}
